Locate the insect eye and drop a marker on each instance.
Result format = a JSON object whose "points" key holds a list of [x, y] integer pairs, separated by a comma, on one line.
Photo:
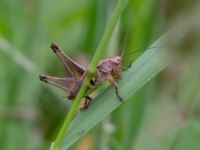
{"points": [[118, 59], [117, 62]]}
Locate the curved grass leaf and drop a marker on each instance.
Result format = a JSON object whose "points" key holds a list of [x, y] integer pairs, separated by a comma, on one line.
{"points": [[142, 70]]}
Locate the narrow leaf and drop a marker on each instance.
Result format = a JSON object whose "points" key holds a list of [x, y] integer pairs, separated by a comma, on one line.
{"points": [[145, 68]]}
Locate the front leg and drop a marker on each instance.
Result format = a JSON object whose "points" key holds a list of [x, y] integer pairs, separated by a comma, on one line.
{"points": [[114, 84]]}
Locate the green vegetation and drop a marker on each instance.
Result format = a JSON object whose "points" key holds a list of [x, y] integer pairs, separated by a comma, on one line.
{"points": [[160, 89]]}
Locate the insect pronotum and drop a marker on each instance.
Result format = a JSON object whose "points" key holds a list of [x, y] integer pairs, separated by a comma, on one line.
{"points": [[108, 69]]}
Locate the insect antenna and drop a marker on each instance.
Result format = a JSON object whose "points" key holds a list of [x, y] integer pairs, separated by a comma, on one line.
{"points": [[123, 54], [129, 53], [124, 44], [140, 50]]}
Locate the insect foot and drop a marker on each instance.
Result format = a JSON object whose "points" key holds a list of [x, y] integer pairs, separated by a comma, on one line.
{"points": [[120, 98]]}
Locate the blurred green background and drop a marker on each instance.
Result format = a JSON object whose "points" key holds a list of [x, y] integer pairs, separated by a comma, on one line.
{"points": [[163, 115]]}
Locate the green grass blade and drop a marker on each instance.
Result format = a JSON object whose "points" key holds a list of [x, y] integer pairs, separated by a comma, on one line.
{"points": [[145, 68], [16, 56]]}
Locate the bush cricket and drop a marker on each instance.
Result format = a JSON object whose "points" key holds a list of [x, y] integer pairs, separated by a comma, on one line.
{"points": [[108, 69]]}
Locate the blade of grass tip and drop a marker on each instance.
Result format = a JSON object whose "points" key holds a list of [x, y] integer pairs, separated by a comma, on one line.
{"points": [[17, 56], [91, 70]]}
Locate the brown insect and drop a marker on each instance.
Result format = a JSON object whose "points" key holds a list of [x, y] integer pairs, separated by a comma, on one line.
{"points": [[108, 69]]}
